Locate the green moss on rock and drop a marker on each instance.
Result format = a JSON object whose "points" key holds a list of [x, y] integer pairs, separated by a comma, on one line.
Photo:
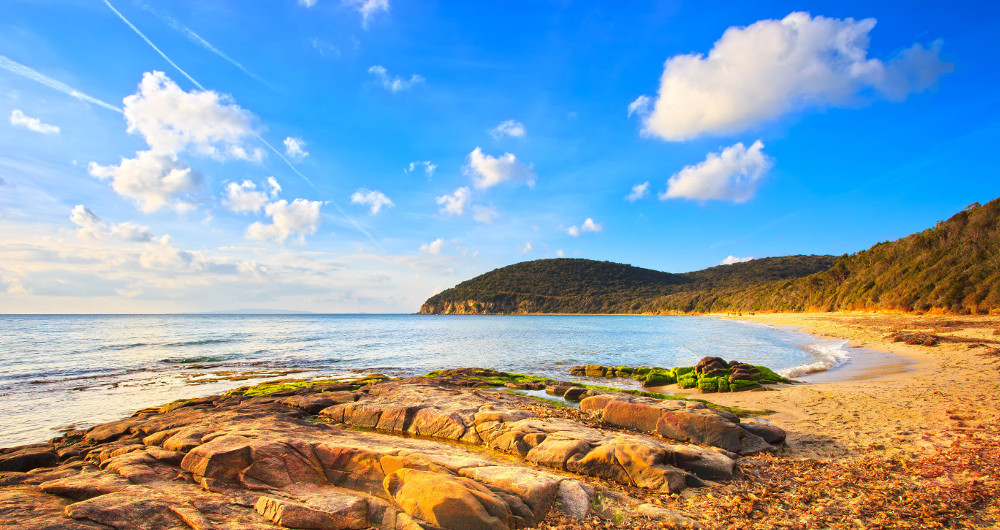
{"points": [[659, 378]]}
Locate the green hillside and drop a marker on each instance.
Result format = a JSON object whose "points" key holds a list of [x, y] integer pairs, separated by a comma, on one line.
{"points": [[952, 267], [585, 286]]}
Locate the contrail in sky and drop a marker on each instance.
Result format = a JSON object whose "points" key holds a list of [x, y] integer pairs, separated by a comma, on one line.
{"points": [[34, 75], [199, 40], [269, 146], [150, 43]]}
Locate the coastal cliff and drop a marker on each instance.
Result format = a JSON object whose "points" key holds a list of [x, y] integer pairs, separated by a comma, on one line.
{"points": [[953, 267]]}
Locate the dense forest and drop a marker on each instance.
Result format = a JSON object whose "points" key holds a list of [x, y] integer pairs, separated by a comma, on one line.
{"points": [[953, 267]]}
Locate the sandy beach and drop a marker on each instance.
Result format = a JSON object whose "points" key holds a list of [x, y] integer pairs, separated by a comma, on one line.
{"points": [[892, 442], [890, 403]]}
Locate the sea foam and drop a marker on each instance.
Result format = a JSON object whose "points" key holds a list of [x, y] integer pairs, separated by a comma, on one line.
{"points": [[829, 355]]}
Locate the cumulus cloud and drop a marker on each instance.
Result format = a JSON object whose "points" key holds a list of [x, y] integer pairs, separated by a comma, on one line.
{"points": [[92, 227], [152, 180], [731, 175], [735, 259], [301, 217], [525, 248], [488, 171], [638, 191], [18, 119], [367, 8], [295, 148], [758, 73], [508, 128], [374, 199], [429, 167], [485, 214], [174, 122], [245, 197], [588, 226], [307, 3], [163, 255], [434, 247], [455, 203], [204, 122], [393, 83]]}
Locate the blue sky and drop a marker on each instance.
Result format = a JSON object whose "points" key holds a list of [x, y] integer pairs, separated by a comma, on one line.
{"points": [[361, 155]]}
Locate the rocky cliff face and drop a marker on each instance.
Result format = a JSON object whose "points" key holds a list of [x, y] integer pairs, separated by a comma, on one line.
{"points": [[476, 307]]}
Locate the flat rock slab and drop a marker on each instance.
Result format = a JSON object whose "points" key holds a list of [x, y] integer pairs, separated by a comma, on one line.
{"points": [[326, 510], [267, 462]]}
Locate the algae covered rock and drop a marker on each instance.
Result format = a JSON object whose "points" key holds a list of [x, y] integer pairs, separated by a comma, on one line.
{"points": [[711, 374]]}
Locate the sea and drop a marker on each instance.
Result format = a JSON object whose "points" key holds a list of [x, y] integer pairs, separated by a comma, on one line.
{"points": [[60, 372]]}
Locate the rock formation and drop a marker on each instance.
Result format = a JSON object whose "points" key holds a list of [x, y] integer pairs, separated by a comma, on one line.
{"points": [[396, 454]]}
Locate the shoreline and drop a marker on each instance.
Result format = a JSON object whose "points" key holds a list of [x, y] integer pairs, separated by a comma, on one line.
{"points": [[918, 404]]}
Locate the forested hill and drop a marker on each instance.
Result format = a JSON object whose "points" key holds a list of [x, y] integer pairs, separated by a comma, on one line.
{"points": [[953, 267], [585, 286]]}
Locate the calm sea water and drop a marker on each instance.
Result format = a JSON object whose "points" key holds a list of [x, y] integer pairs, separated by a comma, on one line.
{"points": [[58, 371]]}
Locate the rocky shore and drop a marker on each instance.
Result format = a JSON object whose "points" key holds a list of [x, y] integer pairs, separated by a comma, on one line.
{"points": [[483, 449], [449, 451]]}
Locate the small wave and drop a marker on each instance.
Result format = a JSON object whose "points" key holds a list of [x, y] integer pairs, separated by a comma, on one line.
{"points": [[195, 359], [201, 342], [119, 347], [831, 355]]}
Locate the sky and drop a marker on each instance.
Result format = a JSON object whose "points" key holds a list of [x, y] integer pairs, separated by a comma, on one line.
{"points": [[350, 156]]}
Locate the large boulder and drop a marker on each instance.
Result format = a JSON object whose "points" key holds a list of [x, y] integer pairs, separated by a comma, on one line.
{"points": [[537, 490], [330, 510], [222, 459], [700, 426], [28, 457], [636, 416], [446, 501]]}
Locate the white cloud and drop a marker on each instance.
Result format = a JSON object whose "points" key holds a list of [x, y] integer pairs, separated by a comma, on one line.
{"points": [[488, 171], [18, 119], [508, 128], [758, 73], [455, 203], [92, 227], [301, 217], [638, 191], [307, 3], [525, 248], [173, 122], [375, 199], [162, 254], [367, 8], [485, 214], [295, 148], [434, 247], [732, 175], [735, 259], [588, 226], [429, 167], [640, 106], [560, 253], [393, 84], [246, 198], [152, 180]]}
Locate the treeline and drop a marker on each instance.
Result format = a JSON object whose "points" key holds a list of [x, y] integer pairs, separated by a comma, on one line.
{"points": [[567, 285], [953, 267]]}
